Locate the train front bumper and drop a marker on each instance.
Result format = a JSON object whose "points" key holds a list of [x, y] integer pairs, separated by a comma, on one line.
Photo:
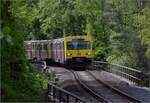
{"points": [[78, 61]]}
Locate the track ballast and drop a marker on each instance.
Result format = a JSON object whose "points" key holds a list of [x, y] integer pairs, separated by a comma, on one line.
{"points": [[101, 91]]}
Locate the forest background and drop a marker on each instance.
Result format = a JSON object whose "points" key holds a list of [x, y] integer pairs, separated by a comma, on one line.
{"points": [[120, 31]]}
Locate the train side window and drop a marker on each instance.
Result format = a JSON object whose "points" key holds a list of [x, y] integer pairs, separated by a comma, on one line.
{"points": [[33, 46], [40, 46], [36, 46], [45, 46]]}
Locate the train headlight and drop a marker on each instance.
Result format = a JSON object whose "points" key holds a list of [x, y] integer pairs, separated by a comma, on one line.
{"points": [[69, 54], [88, 53]]}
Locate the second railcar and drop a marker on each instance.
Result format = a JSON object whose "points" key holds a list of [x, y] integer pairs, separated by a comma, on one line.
{"points": [[58, 51], [38, 49]]}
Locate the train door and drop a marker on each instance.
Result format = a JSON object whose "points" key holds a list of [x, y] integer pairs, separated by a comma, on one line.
{"points": [[49, 49], [57, 51], [33, 50], [61, 52], [37, 50], [40, 50], [53, 49], [42, 45], [29, 50], [45, 50]]}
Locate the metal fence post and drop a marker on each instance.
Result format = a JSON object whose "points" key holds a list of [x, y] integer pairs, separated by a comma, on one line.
{"points": [[67, 101], [134, 75], [60, 96], [54, 92], [76, 100]]}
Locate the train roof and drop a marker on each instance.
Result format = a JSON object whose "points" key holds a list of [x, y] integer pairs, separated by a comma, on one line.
{"points": [[77, 36], [58, 40], [37, 41]]}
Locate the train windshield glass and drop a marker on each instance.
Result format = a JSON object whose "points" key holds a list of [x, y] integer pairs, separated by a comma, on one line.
{"points": [[78, 45]]}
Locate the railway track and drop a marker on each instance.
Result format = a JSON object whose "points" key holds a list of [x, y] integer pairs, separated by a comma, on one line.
{"points": [[70, 84], [115, 90], [101, 91], [90, 91]]}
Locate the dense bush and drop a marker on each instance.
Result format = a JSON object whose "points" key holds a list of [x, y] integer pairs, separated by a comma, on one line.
{"points": [[19, 82]]}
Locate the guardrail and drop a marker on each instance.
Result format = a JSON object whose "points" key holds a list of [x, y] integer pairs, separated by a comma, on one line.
{"points": [[131, 74], [58, 94]]}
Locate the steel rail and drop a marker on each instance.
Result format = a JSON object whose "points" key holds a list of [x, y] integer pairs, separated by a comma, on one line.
{"points": [[84, 86], [115, 89]]}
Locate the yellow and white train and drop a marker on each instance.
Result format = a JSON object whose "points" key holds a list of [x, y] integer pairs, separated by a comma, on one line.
{"points": [[70, 50]]}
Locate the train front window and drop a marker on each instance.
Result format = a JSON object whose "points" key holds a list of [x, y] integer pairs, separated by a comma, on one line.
{"points": [[78, 45]]}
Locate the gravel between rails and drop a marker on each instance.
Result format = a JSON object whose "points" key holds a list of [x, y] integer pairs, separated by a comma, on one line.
{"points": [[68, 82], [66, 79], [90, 91], [102, 89]]}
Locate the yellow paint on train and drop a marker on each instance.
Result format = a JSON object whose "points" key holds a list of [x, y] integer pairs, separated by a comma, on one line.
{"points": [[87, 53]]}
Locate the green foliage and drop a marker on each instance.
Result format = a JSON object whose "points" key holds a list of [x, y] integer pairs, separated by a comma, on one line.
{"points": [[117, 26], [100, 55], [18, 82], [24, 12], [143, 24], [120, 30], [29, 89], [59, 18]]}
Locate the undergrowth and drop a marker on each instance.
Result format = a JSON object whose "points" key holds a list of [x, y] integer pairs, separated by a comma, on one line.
{"points": [[28, 89]]}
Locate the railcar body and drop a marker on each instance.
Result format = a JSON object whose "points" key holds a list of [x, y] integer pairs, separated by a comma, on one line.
{"points": [[70, 50], [58, 50], [28, 49], [38, 49], [78, 50]]}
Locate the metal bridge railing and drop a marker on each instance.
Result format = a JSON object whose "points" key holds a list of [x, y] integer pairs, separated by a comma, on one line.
{"points": [[131, 74], [60, 95]]}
